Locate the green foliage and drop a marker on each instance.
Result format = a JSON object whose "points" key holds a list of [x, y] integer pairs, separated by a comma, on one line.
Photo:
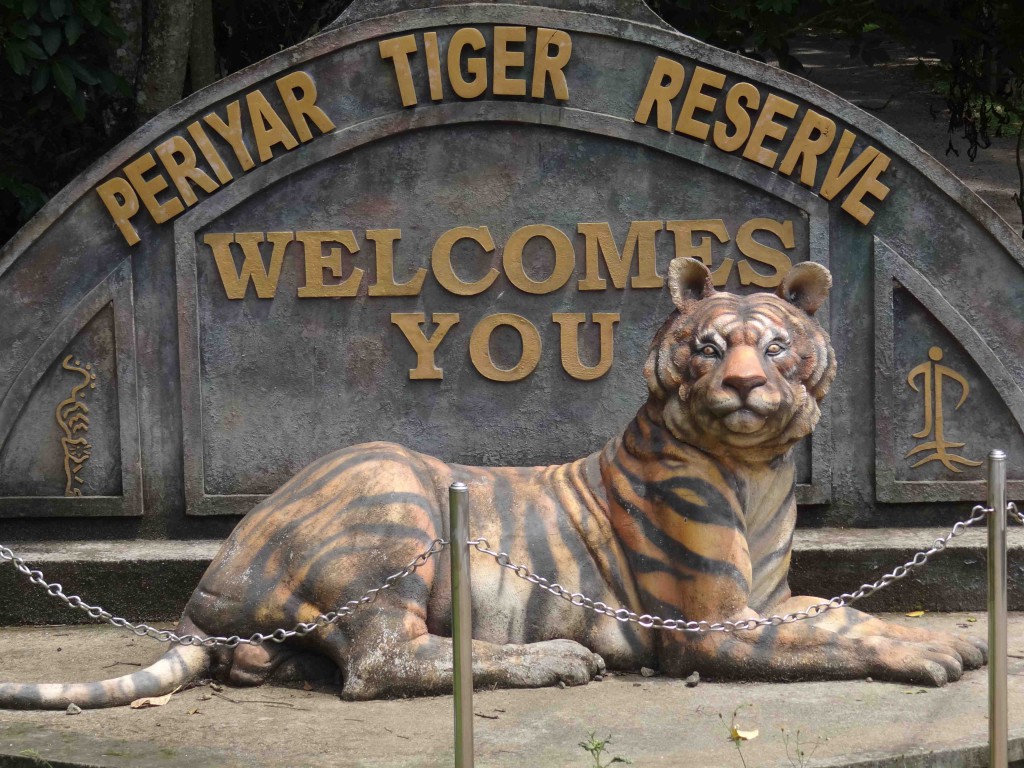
{"points": [[53, 80], [596, 747]]}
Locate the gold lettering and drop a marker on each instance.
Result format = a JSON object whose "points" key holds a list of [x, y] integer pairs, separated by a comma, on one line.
{"points": [[550, 67], [316, 263], [302, 108], [122, 203], [868, 184], [236, 282], [410, 323], [398, 49], [148, 189], [475, 65], [505, 59], [838, 178], [805, 149], [441, 260], [570, 323], [664, 84], [640, 243], [565, 259], [480, 347], [384, 253], [210, 153], [738, 115], [267, 126], [184, 172], [764, 254], [697, 99], [231, 132], [432, 50], [686, 248], [765, 127]]}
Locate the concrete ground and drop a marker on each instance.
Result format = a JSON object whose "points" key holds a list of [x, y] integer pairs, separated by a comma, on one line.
{"points": [[651, 720]]}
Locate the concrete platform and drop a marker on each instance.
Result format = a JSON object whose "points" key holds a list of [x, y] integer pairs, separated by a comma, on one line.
{"points": [[652, 721], [152, 580]]}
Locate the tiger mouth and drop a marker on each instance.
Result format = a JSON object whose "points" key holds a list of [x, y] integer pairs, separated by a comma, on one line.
{"points": [[744, 420]]}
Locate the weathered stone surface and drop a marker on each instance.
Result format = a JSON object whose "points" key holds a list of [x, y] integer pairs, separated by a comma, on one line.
{"points": [[853, 723], [203, 403]]}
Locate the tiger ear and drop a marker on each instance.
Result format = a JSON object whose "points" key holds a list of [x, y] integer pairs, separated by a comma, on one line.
{"points": [[689, 280], [806, 285]]}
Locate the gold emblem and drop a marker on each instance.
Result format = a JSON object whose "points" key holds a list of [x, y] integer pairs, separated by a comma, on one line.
{"points": [[73, 418], [933, 375]]}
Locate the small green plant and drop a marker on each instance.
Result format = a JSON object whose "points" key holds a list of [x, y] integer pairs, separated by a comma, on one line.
{"points": [[738, 735], [802, 752], [596, 747], [35, 757]]}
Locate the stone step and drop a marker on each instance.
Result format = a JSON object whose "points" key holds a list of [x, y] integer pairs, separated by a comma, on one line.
{"points": [[152, 580]]}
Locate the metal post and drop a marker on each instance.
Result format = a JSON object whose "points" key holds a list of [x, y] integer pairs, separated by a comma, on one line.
{"points": [[462, 624], [997, 652]]}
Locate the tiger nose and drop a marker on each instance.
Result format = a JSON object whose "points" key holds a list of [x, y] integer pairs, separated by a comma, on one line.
{"points": [[743, 371]]}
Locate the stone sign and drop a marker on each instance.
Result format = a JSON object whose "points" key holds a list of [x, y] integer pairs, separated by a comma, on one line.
{"points": [[448, 225]]}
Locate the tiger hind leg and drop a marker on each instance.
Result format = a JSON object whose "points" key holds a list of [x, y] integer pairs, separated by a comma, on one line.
{"points": [[248, 665]]}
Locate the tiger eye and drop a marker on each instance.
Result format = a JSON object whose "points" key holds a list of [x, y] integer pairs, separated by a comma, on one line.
{"points": [[775, 349]]}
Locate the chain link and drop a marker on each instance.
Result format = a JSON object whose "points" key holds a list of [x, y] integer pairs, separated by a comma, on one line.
{"points": [[680, 625], [277, 636], [1016, 514]]}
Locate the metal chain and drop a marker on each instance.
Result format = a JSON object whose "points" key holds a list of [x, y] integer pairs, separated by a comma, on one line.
{"points": [[502, 558], [258, 638], [680, 625]]}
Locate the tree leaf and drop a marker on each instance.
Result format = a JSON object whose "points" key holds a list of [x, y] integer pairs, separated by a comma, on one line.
{"points": [[73, 29], [63, 78], [29, 8], [15, 58], [33, 51], [51, 39], [58, 8], [79, 70], [916, 614], [40, 79]]}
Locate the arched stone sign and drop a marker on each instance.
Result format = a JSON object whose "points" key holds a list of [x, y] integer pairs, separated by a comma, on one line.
{"points": [[447, 225]]}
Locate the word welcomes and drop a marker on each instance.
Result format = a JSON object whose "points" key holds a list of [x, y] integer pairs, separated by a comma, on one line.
{"points": [[329, 259]]}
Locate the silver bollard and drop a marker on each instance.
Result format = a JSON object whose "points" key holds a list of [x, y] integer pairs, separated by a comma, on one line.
{"points": [[997, 652], [462, 624]]}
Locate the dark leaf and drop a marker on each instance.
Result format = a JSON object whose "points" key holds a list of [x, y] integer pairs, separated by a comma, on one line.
{"points": [[51, 39], [29, 8], [59, 7], [40, 79], [63, 78], [80, 71], [73, 29], [91, 12], [78, 103], [15, 57], [33, 51]]}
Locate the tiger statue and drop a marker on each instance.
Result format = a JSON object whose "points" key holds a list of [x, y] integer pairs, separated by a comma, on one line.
{"points": [[688, 514]]}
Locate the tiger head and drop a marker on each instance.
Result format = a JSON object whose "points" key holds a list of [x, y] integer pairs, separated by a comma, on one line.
{"points": [[741, 376]]}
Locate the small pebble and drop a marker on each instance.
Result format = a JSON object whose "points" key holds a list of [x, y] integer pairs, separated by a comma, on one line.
{"points": [[216, 687], [693, 680], [647, 672], [73, 709], [868, 680], [561, 684], [598, 678]]}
